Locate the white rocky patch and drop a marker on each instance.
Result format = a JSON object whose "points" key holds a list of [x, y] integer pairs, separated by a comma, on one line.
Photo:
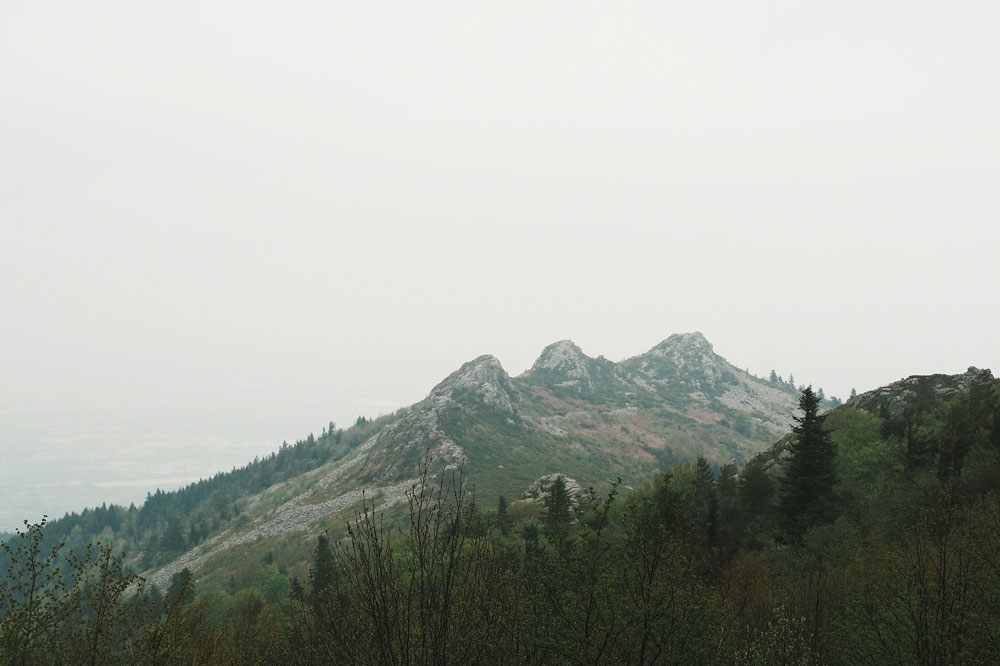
{"points": [[565, 358], [756, 397], [540, 489]]}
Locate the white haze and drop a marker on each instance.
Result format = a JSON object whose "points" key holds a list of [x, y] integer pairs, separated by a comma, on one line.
{"points": [[225, 224]]}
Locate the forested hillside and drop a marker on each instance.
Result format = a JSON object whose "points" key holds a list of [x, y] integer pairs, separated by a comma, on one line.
{"points": [[869, 535], [589, 418]]}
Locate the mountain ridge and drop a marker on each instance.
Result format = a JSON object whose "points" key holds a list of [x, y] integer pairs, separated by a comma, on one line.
{"points": [[585, 417], [588, 418]]}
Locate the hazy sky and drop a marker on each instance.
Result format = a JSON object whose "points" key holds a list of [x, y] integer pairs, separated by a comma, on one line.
{"points": [[253, 218]]}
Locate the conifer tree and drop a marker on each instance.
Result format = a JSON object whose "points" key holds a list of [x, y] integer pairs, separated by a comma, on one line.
{"points": [[297, 593], [706, 498], [756, 488], [995, 431], [181, 587], [558, 509], [503, 519], [173, 538], [810, 472], [321, 576]]}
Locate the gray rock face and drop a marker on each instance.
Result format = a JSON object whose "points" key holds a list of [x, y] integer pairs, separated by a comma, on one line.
{"points": [[683, 357], [894, 399], [564, 362], [540, 489], [480, 382]]}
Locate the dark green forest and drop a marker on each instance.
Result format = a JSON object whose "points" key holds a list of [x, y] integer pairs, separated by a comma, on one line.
{"points": [[866, 536]]}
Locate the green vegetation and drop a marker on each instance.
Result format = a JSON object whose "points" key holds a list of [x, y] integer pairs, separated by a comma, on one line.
{"points": [[875, 540], [169, 524]]}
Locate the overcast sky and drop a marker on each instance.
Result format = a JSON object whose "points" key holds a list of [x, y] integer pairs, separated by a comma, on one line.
{"points": [[258, 217]]}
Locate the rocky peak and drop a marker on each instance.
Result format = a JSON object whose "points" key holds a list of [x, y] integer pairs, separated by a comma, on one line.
{"points": [[688, 358], [564, 359], [684, 344], [481, 380]]}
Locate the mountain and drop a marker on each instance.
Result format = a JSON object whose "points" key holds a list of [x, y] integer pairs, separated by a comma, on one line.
{"points": [[914, 482], [588, 418]]}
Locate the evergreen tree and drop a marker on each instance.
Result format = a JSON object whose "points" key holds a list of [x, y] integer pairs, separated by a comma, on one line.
{"points": [[297, 592], [917, 446], [155, 600], [503, 519], [956, 437], [173, 539], [820, 394], [854, 392], [791, 380], [181, 588], [756, 488], [558, 508], [706, 498], [727, 483], [774, 377], [995, 431], [321, 576], [810, 472]]}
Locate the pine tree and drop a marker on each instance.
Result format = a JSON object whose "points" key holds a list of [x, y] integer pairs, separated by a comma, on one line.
{"points": [[810, 472], [558, 508], [791, 380], [956, 437], [727, 483], [995, 430], [756, 488], [181, 588], [321, 576], [706, 498], [774, 377], [297, 593], [503, 519], [173, 539], [854, 392]]}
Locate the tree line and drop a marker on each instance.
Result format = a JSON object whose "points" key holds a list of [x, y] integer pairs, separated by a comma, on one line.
{"points": [[867, 539]]}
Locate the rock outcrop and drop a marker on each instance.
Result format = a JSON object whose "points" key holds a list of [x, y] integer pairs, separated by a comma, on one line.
{"points": [[540, 489], [896, 399]]}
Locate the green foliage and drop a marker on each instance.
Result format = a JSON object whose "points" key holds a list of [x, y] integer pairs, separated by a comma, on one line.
{"points": [[77, 613], [899, 566], [503, 517], [323, 573], [811, 472], [558, 506]]}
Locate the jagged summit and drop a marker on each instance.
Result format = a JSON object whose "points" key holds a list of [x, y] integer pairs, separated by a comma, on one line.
{"points": [[586, 418], [481, 380], [683, 357], [564, 369], [694, 341], [563, 361], [564, 355]]}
